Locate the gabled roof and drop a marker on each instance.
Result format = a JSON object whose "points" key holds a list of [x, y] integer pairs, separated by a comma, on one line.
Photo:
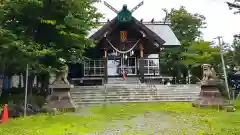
{"points": [[160, 30], [165, 32], [108, 27]]}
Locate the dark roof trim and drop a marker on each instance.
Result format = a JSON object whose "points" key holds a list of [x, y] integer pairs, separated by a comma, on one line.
{"points": [[105, 28], [111, 26]]}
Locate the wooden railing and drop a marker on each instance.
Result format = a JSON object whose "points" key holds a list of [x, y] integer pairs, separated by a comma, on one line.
{"points": [[96, 67]]}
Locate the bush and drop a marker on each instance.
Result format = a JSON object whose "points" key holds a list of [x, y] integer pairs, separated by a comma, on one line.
{"points": [[223, 90], [36, 100], [16, 96]]}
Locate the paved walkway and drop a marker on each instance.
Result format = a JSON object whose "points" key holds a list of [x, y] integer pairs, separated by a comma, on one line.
{"points": [[160, 123]]}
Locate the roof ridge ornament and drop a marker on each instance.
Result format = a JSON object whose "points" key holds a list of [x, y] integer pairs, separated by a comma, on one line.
{"points": [[123, 15]]}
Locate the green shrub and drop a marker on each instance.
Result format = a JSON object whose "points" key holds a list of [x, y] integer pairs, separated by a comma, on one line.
{"points": [[16, 96], [36, 100], [19, 99], [223, 90]]}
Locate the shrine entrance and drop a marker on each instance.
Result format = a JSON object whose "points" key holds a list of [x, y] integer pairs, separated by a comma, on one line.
{"points": [[117, 65]]}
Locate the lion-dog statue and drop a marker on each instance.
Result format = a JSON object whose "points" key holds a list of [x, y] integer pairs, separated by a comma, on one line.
{"points": [[208, 72], [62, 76]]}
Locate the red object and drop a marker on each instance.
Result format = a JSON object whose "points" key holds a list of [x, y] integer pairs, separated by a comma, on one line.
{"points": [[123, 75], [4, 114]]}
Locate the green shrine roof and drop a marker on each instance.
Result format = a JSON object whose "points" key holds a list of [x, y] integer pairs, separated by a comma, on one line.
{"points": [[159, 33], [162, 30]]}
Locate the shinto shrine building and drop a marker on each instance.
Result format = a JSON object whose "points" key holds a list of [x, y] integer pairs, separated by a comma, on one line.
{"points": [[124, 45]]}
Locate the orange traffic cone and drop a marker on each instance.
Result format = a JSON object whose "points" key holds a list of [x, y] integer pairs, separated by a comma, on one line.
{"points": [[4, 114]]}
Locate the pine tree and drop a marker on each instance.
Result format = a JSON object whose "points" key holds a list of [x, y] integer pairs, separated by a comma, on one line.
{"points": [[234, 5]]}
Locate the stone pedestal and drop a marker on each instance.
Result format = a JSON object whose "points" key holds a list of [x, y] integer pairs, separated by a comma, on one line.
{"points": [[60, 97], [210, 96]]}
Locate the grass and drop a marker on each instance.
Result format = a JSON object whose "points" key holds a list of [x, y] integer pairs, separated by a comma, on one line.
{"points": [[204, 121]]}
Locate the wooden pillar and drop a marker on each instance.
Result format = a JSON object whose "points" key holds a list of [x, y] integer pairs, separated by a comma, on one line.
{"points": [[159, 61], [105, 61], [141, 63]]}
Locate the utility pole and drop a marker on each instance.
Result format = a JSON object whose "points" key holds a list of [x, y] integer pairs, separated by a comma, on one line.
{"points": [[223, 66], [26, 91]]}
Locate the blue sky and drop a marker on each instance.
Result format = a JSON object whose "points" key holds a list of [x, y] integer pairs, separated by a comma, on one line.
{"points": [[221, 21]]}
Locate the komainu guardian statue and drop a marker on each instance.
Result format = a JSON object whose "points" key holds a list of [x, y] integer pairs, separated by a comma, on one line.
{"points": [[210, 95], [208, 73], [62, 74]]}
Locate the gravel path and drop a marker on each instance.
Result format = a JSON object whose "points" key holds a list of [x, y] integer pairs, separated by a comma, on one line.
{"points": [[150, 124]]}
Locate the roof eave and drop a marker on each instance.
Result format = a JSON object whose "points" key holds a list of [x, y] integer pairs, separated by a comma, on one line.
{"points": [[100, 33], [149, 32]]}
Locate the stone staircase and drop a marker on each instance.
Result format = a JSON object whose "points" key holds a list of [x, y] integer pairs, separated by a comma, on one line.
{"points": [[123, 93], [129, 80]]}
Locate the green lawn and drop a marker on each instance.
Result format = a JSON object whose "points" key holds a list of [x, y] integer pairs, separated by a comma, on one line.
{"points": [[185, 118]]}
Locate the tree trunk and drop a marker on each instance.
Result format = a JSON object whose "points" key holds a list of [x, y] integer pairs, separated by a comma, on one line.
{"points": [[24, 80], [38, 81], [30, 83], [20, 80], [29, 87], [44, 80]]}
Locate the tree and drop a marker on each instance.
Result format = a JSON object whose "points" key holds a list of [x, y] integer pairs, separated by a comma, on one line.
{"points": [[201, 53], [233, 54], [234, 5], [48, 30], [186, 26], [59, 26]]}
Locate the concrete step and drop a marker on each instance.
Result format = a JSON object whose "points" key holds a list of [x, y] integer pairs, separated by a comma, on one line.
{"points": [[139, 100], [123, 93], [136, 101], [132, 86], [133, 95], [123, 82], [132, 91], [136, 93], [132, 98], [83, 104], [125, 100]]}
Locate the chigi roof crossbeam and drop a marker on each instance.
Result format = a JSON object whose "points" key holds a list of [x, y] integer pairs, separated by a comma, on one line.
{"points": [[124, 15], [116, 11]]}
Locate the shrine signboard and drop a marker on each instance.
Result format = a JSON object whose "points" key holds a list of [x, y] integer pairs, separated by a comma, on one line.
{"points": [[123, 36]]}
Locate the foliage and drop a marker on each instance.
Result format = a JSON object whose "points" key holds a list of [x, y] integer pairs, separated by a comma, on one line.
{"points": [[104, 118], [187, 28], [201, 53], [233, 54], [185, 25], [16, 96], [45, 32], [234, 5]]}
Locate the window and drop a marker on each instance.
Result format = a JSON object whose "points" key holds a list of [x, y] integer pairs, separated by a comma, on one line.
{"points": [[151, 66], [93, 68]]}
